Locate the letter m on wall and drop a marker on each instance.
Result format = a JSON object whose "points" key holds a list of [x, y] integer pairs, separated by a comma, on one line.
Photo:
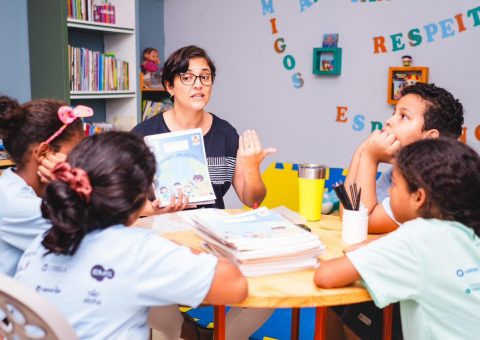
{"points": [[267, 6]]}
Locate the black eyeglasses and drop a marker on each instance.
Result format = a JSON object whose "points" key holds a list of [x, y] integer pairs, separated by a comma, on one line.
{"points": [[190, 79]]}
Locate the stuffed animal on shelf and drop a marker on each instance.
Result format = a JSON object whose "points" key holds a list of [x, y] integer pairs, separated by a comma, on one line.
{"points": [[406, 60], [151, 60]]}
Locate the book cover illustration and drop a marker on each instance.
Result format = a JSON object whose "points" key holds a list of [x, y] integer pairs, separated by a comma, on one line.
{"points": [[255, 229], [181, 166]]}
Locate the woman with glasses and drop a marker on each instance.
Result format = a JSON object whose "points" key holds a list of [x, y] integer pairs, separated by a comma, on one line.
{"points": [[188, 76]]}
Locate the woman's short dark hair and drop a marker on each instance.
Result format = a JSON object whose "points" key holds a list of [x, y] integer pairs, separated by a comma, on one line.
{"points": [[33, 122], [449, 172], [179, 60], [120, 168], [443, 112]]}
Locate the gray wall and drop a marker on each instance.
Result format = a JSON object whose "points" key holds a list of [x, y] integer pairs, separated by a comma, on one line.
{"points": [[255, 90], [150, 26], [14, 55]]}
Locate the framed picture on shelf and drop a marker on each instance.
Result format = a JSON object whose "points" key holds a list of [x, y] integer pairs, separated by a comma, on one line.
{"points": [[327, 61], [400, 77]]}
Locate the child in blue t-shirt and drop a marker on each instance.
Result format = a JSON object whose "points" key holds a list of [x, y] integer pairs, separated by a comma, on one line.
{"points": [[424, 111], [37, 131], [101, 274], [431, 263]]}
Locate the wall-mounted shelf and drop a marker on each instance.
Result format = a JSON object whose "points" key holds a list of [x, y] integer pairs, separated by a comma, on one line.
{"points": [[89, 25], [399, 77], [327, 61]]}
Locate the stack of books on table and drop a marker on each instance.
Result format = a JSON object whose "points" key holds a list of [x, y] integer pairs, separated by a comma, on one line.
{"points": [[260, 241]]}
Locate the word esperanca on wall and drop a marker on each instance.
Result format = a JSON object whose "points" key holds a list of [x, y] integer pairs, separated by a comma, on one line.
{"points": [[430, 32]]}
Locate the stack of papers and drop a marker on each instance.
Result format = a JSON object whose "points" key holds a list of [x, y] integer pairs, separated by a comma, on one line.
{"points": [[181, 166], [260, 241]]}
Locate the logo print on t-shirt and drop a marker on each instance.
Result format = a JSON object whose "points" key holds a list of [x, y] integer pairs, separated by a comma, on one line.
{"points": [[99, 273]]}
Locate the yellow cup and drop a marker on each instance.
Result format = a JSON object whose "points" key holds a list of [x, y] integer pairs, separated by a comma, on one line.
{"points": [[311, 183]]}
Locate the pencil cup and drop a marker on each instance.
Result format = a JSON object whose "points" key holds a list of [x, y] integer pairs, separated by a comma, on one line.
{"points": [[354, 226], [311, 183]]}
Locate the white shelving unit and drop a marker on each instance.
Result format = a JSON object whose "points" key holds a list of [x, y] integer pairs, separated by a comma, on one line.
{"points": [[119, 38]]}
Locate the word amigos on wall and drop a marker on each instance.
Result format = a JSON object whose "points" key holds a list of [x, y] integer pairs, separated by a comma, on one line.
{"points": [[430, 32], [280, 46]]}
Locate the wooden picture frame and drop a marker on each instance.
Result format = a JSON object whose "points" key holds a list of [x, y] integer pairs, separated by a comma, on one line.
{"points": [[399, 77], [327, 61]]}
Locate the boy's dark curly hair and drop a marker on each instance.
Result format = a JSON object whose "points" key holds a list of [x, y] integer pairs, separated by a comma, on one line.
{"points": [[449, 172], [444, 112]]}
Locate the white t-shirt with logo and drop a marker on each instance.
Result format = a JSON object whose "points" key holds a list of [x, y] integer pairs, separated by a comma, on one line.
{"points": [[106, 288], [433, 268], [20, 219]]}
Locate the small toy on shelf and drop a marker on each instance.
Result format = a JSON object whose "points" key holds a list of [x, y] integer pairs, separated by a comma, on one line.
{"points": [[406, 60], [150, 68]]}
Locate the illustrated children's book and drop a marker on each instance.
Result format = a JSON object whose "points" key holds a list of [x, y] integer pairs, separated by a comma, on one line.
{"points": [[181, 166]]}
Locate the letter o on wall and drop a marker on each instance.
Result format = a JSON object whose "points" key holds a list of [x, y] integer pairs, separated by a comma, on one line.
{"points": [[289, 62]]}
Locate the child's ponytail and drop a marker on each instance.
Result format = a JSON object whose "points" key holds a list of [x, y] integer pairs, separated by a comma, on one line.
{"points": [[105, 182]]}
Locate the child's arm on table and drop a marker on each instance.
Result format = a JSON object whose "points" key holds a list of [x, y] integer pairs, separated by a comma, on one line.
{"points": [[228, 285], [334, 273]]}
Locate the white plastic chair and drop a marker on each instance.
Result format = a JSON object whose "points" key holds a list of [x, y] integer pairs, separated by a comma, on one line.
{"points": [[25, 314]]}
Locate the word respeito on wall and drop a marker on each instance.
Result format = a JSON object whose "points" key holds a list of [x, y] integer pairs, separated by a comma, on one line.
{"points": [[430, 32], [280, 46]]}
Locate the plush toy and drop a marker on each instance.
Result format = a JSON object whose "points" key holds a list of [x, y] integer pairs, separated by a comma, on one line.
{"points": [[151, 60], [406, 60]]}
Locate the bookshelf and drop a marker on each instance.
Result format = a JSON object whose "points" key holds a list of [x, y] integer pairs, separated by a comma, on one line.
{"points": [[153, 94], [50, 34]]}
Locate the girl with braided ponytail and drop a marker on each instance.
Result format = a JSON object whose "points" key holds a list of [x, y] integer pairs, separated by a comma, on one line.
{"points": [[38, 131], [104, 276]]}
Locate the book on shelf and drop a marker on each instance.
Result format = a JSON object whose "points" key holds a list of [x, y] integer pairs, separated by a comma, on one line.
{"points": [[93, 128], [96, 71], [152, 108], [260, 241], [181, 166], [90, 10]]}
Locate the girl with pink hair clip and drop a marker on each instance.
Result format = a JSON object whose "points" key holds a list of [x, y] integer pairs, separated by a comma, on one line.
{"points": [[41, 130]]}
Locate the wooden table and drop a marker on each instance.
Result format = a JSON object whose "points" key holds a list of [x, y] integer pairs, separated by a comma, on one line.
{"points": [[296, 289]]}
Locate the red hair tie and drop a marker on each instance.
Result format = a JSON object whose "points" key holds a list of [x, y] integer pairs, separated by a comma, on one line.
{"points": [[76, 178]]}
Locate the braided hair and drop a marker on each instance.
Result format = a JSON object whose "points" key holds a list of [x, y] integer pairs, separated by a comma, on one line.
{"points": [[449, 172]]}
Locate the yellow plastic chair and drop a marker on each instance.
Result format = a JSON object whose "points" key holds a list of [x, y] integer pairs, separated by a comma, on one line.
{"points": [[25, 314]]}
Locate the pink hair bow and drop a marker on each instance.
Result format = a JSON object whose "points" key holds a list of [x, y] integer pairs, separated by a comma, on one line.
{"points": [[67, 116], [76, 178]]}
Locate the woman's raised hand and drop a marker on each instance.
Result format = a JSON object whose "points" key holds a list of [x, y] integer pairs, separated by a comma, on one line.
{"points": [[250, 151]]}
